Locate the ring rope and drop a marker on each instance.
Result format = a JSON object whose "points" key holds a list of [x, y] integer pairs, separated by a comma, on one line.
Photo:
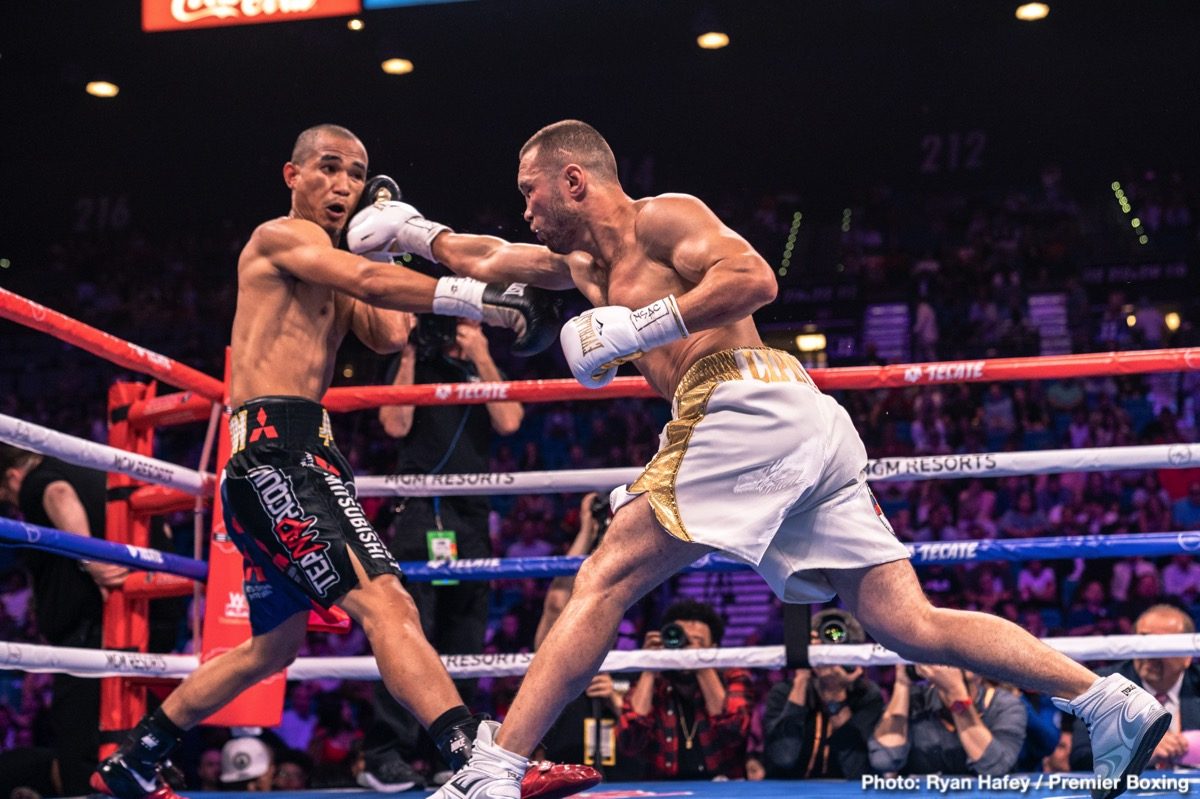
{"points": [[18, 309], [1039, 367], [1119, 545], [112, 663], [82, 452], [132, 356], [928, 467]]}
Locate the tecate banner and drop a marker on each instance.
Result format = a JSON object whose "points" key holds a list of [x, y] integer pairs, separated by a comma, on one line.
{"points": [[174, 15]]}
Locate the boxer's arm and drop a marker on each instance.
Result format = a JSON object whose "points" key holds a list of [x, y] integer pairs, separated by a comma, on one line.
{"points": [[732, 281], [383, 331], [494, 260], [301, 249]]}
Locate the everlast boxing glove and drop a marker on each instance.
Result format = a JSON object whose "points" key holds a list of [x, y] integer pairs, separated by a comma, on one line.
{"points": [[530, 311], [598, 341]]}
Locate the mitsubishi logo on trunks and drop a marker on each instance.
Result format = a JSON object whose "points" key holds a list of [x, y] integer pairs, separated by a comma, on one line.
{"points": [[293, 527], [263, 428]]}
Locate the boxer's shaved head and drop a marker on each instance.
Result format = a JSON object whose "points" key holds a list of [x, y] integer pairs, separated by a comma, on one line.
{"points": [[306, 142], [572, 142]]}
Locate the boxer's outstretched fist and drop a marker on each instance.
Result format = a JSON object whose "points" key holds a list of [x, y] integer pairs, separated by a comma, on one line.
{"points": [[389, 225], [529, 311]]}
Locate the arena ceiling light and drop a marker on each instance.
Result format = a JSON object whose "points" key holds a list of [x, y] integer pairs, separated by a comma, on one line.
{"points": [[713, 40], [102, 88], [397, 66], [355, 24], [1031, 12]]}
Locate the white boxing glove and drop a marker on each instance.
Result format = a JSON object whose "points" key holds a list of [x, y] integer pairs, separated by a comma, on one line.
{"points": [[393, 226], [598, 341]]}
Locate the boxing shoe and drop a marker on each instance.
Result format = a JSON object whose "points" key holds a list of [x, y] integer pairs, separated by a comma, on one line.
{"points": [[546, 780], [114, 777], [389, 773], [492, 772], [1125, 724]]}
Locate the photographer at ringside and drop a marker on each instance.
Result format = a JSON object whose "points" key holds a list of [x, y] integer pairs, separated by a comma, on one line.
{"points": [[817, 725], [688, 725], [945, 720], [437, 439]]}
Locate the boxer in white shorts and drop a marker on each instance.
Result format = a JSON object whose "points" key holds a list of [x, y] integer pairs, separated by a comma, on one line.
{"points": [[756, 462]]}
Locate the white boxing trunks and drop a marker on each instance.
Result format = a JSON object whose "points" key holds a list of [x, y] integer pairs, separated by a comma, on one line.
{"points": [[758, 463]]}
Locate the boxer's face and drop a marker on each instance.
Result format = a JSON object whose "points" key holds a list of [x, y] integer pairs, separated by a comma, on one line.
{"points": [[328, 182], [546, 209]]}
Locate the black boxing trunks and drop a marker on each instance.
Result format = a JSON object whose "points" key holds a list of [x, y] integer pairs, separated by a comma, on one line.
{"points": [[291, 508]]}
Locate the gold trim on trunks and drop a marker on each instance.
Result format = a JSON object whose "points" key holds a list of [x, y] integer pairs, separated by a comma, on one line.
{"points": [[690, 403]]}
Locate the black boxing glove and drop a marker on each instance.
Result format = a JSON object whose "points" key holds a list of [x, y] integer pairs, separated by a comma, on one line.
{"points": [[530, 312]]}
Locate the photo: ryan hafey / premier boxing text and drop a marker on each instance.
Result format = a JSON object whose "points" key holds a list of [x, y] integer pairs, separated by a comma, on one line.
{"points": [[1022, 783]]}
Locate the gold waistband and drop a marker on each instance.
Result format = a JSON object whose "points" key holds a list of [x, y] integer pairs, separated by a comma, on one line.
{"points": [[744, 363]]}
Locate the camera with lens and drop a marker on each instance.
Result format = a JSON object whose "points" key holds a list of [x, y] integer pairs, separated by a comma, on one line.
{"points": [[674, 636], [835, 626], [432, 334]]}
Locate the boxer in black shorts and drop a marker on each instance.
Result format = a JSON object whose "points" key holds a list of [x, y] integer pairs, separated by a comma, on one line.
{"points": [[290, 508], [289, 494]]}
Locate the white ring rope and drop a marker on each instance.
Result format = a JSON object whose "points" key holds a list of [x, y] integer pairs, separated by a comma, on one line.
{"points": [[109, 663], [928, 467], [82, 452]]}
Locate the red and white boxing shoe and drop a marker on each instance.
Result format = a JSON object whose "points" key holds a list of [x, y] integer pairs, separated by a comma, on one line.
{"points": [[495, 773], [546, 780]]}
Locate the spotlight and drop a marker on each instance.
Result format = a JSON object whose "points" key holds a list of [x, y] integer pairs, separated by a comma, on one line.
{"points": [[397, 66], [1172, 321], [355, 24], [713, 40], [1031, 12], [102, 88]]}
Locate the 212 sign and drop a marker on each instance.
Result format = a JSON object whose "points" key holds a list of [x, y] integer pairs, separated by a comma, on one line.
{"points": [[952, 152]]}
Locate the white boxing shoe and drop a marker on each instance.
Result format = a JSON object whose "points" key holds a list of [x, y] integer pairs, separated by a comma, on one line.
{"points": [[1125, 724], [491, 773]]}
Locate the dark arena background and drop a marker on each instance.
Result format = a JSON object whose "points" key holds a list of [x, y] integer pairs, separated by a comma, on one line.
{"points": [[984, 222]]}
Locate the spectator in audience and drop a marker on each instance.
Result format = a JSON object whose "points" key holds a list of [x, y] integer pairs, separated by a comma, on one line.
{"points": [[1185, 512], [688, 724], [299, 716], [1037, 584], [1025, 520], [1091, 614], [208, 771], [817, 725], [293, 770], [247, 764], [1174, 681], [949, 722], [1181, 578], [1058, 761]]}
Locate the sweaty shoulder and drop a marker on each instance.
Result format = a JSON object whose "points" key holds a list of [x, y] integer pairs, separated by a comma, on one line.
{"points": [[284, 233], [663, 221]]}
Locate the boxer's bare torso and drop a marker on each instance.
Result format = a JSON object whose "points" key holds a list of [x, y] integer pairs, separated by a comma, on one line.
{"points": [[641, 273], [286, 332]]}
